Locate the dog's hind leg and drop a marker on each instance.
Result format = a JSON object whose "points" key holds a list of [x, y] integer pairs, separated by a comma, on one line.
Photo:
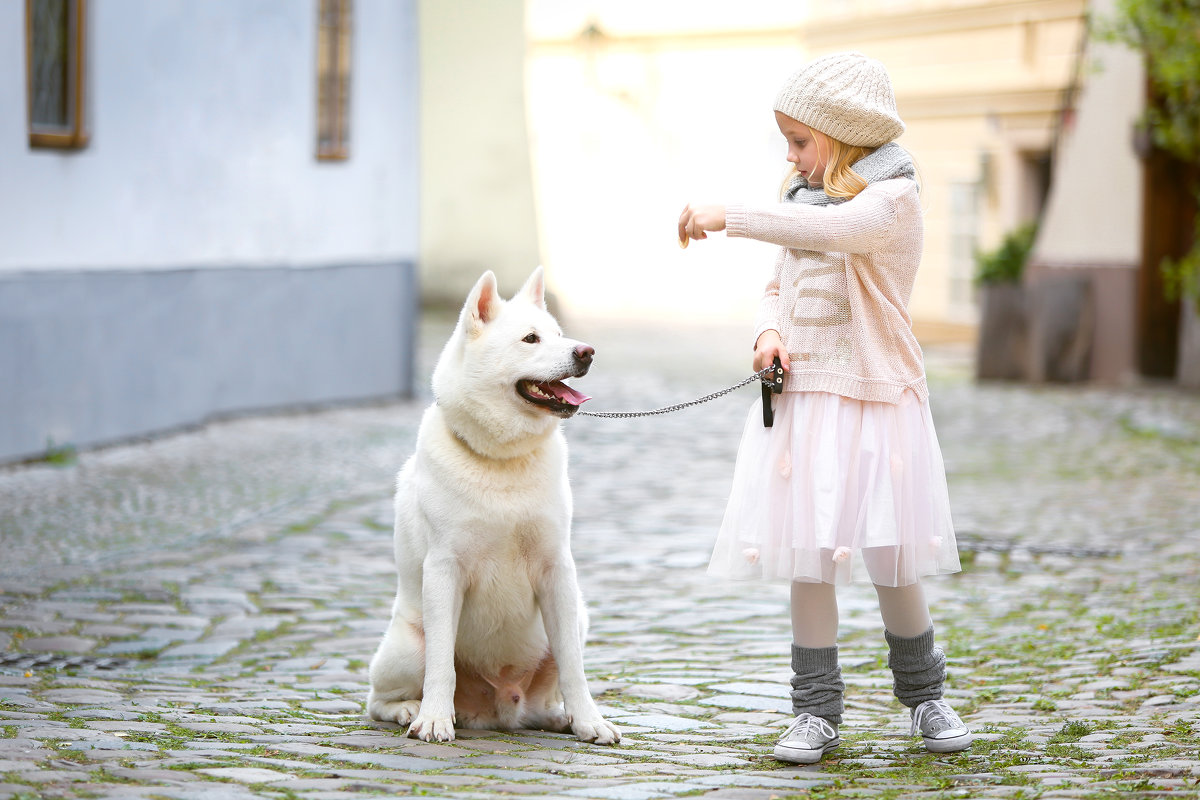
{"points": [[397, 674], [544, 710]]}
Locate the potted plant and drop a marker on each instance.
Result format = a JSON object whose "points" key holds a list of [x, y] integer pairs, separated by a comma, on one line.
{"points": [[1002, 350]]}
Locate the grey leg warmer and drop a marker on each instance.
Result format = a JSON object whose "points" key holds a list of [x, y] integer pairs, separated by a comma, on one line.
{"points": [[817, 686], [918, 668]]}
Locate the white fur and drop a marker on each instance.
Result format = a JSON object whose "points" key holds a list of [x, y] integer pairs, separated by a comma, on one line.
{"points": [[486, 581]]}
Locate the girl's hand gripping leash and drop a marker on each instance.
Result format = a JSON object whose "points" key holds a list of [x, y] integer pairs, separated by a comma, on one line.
{"points": [[772, 383]]}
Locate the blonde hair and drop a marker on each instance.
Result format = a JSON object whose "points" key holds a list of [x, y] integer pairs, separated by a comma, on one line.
{"points": [[839, 181]]}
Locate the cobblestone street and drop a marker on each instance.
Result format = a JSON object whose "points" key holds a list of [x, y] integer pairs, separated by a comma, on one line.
{"points": [[191, 617]]}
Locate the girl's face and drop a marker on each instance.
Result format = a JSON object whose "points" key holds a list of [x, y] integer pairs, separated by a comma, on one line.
{"points": [[807, 149]]}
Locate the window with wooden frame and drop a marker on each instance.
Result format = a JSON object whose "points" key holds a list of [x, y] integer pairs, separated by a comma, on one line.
{"points": [[964, 245], [55, 33], [333, 79]]}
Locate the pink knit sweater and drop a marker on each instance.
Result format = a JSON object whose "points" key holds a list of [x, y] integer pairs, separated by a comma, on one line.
{"points": [[840, 291]]}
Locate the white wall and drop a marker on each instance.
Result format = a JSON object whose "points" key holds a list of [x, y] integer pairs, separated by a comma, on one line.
{"points": [[195, 258], [1094, 212], [202, 120]]}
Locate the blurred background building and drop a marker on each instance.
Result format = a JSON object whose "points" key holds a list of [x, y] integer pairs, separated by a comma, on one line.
{"points": [[1016, 113], [638, 108], [205, 208], [477, 204], [223, 206], [1083, 272]]}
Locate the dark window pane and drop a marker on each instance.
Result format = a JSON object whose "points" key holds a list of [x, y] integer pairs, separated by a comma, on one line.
{"points": [[50, 85], [333, 78]]}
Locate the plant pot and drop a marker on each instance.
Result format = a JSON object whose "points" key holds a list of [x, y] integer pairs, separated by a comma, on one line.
{"points": [[1060, 313], [1003, 351], [1188, 369]]}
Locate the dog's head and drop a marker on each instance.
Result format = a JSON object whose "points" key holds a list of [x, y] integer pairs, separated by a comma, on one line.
{"points": [[507, 363]]}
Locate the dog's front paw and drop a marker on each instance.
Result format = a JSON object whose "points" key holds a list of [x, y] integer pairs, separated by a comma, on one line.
{"points": [[401, 712], [432, 729], [597, 730]]}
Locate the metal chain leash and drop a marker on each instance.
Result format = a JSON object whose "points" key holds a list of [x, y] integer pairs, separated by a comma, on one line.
{"points": [[758, 376]]}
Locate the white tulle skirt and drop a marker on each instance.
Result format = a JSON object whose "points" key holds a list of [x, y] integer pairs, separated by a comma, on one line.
{"points": [[835, 485]]}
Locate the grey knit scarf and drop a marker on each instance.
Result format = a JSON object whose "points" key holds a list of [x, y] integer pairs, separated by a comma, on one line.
{"points": [[886, 162]]}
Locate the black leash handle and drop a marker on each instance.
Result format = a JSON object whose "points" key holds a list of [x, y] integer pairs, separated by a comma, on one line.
{"points": [[772, 383]]}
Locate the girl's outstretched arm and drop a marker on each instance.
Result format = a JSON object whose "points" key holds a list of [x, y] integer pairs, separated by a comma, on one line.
{"points": [[856, 226]]}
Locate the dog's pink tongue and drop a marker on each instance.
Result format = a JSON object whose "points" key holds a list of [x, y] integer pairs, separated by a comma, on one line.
{"points": [[569, 395]]}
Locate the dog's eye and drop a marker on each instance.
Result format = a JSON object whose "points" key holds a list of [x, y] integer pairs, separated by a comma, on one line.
{"points": [[532, 338]]}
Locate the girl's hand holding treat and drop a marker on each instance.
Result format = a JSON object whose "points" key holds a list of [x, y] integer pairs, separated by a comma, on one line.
{"points": [[696, 220]]}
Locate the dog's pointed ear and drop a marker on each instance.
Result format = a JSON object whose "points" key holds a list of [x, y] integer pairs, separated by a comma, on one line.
{"points": [[535, 288], [483, 303]]}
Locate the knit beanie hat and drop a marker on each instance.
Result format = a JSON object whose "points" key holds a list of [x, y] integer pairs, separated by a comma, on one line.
{"points": [[846, 96]]}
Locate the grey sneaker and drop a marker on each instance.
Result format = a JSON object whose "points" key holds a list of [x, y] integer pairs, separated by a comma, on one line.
{"points": [[806, 740], [940, 727]]}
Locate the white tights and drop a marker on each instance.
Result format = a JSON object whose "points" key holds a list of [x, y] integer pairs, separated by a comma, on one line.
{"points": [[815, 612]]}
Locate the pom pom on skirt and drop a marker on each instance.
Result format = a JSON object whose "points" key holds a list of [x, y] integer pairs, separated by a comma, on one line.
{"points": [[834, 485]]}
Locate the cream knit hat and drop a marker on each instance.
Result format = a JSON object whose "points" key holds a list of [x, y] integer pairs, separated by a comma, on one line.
{"points": [[844, 95]]}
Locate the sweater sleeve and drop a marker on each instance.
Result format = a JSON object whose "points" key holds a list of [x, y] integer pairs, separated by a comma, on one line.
{"points": [[768, 307], [859, 225]]}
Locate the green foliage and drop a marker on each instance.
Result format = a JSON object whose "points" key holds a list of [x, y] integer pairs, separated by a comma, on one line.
{"points": [[1072, 732], [1181, 278], [1045, 704], [1167, 34], [59, 455], [1006, 263]]}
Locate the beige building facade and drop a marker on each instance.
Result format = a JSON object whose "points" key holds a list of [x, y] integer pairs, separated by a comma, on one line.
{"points": [[477, 209], [983, 88], [1091, 230], [634, 113]]}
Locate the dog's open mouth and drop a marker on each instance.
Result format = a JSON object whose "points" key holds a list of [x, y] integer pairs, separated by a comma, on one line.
{"points": [[554, 396]]}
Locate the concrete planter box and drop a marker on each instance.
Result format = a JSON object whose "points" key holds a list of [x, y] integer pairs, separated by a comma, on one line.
{"points": [[1003, 349], [1189, 346], [1061, 315]]}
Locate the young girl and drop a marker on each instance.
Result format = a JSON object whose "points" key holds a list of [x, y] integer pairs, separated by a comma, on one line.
{"points": [[851, 468]]}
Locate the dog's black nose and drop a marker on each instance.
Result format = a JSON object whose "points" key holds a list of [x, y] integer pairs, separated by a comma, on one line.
{"points": [[584, 353]]}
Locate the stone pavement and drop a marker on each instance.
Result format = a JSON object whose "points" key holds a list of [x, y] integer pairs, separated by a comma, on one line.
{"points": [[191, 617]]}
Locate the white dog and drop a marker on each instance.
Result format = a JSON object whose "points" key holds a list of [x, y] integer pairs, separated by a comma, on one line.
{"points": [[488, 624]]}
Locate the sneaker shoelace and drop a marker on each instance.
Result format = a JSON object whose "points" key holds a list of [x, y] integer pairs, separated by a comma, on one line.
{"points": [[803, 728], [937, 714]]}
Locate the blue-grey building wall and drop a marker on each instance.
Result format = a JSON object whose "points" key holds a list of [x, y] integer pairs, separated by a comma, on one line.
{"points": [[196, 258], [93, 357]]}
